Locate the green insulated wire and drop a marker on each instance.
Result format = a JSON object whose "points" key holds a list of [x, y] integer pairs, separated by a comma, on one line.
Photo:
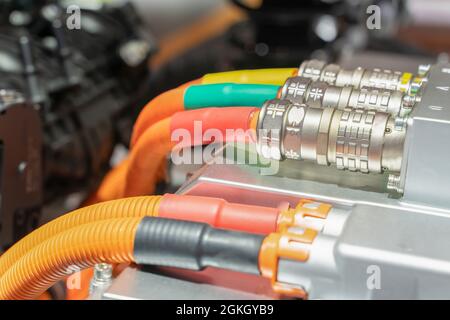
{"points": [[228, 94]]}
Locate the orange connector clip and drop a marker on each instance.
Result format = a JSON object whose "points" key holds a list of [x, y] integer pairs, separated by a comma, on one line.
{"points": [[305, 208], [286, 245]]}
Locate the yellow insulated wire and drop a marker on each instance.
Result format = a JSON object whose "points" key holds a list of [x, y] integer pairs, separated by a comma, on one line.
{"points": [[275, 76]]}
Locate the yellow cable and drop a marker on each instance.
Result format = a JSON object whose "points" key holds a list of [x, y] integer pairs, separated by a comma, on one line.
{"points": [[275, 76]]}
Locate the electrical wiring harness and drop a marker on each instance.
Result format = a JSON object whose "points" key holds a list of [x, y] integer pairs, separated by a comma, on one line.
{"points": [[176, 231], [197, 232], [180, 108]]}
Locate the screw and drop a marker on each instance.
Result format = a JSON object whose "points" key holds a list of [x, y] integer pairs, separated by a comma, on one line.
{"points": [[101, 281], [103, 272], [394, 183]]}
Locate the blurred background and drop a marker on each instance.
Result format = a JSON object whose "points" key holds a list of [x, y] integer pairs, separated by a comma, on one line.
{"points": [[219, 35]]}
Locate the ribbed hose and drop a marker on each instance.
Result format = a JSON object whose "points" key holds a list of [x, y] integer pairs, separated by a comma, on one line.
{"points": [[145, 159], [110, 241], [129, 207]]}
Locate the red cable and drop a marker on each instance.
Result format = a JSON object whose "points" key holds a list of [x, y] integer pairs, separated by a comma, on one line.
{"points": [[219, 213]]}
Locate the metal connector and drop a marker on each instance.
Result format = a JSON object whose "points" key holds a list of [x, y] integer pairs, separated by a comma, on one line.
{"points": [[285, 245], [307, 214], [358, 78], [102, 280], [350, 139], [320, 94]]}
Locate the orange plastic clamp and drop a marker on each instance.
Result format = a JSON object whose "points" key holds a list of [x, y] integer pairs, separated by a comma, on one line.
{"points": [[287, 218], [284, 245]]}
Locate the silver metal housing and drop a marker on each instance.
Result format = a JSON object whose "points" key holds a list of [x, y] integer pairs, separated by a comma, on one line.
{"points": [[333, 74], [320, 94], [376, 245], [352, 139]]}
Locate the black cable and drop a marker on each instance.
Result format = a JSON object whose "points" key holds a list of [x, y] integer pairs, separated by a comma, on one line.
{"points": [[195, 246]]}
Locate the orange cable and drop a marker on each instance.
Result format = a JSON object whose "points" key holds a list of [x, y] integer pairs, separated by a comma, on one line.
{"points": [[133, 207], [145, 159], [207, 27], [163, 106], [108, 241]]}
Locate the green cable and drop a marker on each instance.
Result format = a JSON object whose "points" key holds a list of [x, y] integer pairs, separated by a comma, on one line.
{"points": [[228, 94]]}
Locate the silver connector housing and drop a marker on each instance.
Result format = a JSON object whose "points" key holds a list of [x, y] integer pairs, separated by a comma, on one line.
{"points": [[351, 139], [360, 78], [320, 94]]}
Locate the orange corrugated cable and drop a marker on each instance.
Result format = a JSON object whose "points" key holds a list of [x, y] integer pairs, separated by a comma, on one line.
{"points": [[132, 207], [45, 296], [154, 146], [162, 106], [145, 159], [110, 241], [111, 187]]}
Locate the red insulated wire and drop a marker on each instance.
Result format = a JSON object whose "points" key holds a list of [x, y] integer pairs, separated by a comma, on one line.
{"points": [[219, 213]]}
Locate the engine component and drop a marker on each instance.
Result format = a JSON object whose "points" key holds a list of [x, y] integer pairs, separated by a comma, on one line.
{"points": [[84, 86], [360, 77], [21, 166], [320, 94], [353, 139]]}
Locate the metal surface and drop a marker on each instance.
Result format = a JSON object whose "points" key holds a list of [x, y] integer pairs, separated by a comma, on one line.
{"points": [[426, 174], [406, 244], [135, 284]]}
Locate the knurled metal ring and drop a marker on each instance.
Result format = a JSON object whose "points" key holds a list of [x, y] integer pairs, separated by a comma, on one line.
{"points": [[322, 139], [270, 129]]}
